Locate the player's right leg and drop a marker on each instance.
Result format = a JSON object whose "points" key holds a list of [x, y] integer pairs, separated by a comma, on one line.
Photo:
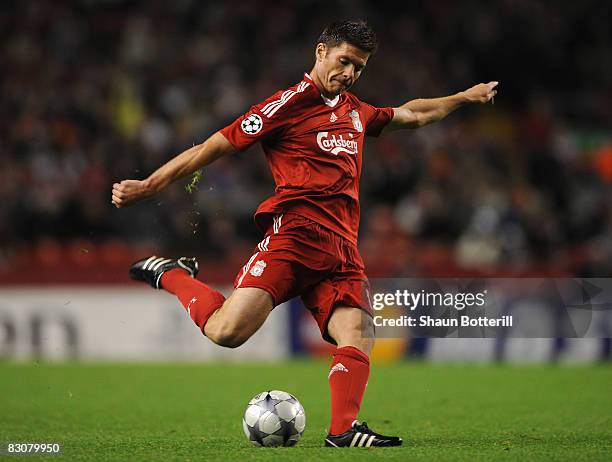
{"points": [[228, 323], [240, 316], [283, 264]]}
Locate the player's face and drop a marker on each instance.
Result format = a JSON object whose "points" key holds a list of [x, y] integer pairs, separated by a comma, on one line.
{"points": [[338, 68]]}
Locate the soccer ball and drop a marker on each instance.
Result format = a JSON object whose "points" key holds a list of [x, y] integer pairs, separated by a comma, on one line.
{"points": [[274, 418], [252, 124]]}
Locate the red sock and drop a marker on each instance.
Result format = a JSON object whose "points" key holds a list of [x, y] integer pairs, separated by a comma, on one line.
{"points": [[348, 377], [199, 300]]}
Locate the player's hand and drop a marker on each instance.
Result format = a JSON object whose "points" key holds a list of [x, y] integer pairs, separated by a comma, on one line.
{"points": [[130, 191], [481, 93]]}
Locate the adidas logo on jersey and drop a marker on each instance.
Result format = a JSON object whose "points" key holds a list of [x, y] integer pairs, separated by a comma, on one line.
{"points": [[333, 117], [336, 144], [337, 368]]}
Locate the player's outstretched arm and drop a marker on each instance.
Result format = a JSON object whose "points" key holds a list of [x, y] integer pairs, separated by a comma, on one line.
{"points": [[128, 192], [419, 112]]}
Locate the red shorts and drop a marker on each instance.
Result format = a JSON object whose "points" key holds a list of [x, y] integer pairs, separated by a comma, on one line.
{"points": [[300, 257]]}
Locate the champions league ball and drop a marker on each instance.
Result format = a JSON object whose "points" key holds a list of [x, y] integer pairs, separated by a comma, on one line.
{"points": [[252, 124], [274, 418]]}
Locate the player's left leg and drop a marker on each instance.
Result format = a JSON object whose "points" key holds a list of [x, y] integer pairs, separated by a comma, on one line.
{"points": [[353, 331], [352, 327]]}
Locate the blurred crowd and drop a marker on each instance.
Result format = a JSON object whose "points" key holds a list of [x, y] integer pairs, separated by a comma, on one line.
{"points": [[95, 91]]}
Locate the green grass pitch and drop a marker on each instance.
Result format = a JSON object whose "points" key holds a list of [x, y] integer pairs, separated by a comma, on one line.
{"points": [[191, 412]]}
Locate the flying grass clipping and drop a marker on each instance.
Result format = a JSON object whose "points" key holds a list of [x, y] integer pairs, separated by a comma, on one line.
{"points": [[193, 184]]}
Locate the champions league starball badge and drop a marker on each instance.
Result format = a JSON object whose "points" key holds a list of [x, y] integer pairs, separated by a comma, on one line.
{"points": [[252, 124]]}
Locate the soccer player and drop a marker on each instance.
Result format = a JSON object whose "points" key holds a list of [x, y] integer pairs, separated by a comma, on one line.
{"points": [[312, 135]]}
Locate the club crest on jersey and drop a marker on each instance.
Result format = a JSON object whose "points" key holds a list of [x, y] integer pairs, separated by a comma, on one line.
{"points": [[354, 115], [258, 268], [336, 144], [252, 124]]}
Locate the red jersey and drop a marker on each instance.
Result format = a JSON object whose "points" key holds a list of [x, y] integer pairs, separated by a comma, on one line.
{"points": [[314, 148]]}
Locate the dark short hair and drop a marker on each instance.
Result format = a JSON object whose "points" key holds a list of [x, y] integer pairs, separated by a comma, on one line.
{"points": [[357, 33]]}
